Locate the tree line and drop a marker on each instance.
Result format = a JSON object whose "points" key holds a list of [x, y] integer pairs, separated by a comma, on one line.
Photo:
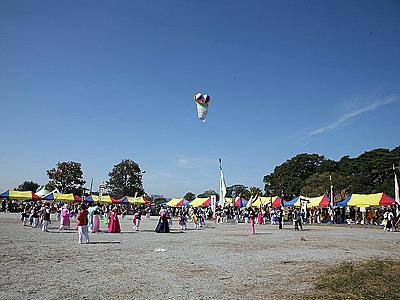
{"points": [[304, 174], [125, 179], [309, 174]]}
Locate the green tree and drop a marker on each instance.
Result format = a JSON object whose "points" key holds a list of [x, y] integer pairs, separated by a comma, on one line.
{"points": [[316, 185], [67, 177], [207, 194], [158, 201], [189, 196], [308, 174], [125, 179], [28, 186], [290, 177], [254, 191], [239, 189], [371, 172]]}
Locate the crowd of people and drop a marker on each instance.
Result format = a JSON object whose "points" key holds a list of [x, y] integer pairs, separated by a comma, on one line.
{"points": [[90, 216]]}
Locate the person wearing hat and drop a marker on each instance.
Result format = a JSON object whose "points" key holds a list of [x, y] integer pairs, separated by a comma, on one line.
{"points": [[136, 219], [35, 216], [83, 223], [46, 217]]}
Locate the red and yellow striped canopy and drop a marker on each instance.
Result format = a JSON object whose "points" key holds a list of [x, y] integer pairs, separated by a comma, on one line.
{"points": [[20, 195]]}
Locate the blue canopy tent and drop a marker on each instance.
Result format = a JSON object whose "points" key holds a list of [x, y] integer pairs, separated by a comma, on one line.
{"points": [[293, 202], [344, 202]]}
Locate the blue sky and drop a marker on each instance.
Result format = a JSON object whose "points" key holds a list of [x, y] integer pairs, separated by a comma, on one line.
{"points": [[101, 81]]}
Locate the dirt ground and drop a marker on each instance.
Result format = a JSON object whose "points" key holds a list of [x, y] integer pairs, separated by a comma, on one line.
{"points": [[219, 261]]}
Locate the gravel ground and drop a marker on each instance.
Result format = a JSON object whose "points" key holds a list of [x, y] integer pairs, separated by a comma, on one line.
{"points": [[219, 261]]}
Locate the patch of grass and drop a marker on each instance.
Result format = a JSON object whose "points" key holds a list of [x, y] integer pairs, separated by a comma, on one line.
{"points": [[373, 279]]}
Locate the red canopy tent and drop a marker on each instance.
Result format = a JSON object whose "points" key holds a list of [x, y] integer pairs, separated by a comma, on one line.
{"points": [[277, 202]]}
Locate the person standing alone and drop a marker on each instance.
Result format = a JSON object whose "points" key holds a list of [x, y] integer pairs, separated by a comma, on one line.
{"points": [[280, 217], [252, 217], [83, 223], [46, 218], [136, 219]]}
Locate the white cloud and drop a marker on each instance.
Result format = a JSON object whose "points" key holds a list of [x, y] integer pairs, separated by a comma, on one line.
{"points": [[194, 161], [348, 117], [182, 161]]}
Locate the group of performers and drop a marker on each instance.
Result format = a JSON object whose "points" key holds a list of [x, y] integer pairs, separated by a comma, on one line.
{"points": [[90, 216]]}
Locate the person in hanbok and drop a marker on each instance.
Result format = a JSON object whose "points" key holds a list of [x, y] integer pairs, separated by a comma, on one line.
{"points": [[280, 217], [162, 225], [201, 217], [273, 216], [259, 217], [226, 214], [96, 219], [113, 224], [236, 215], [91, 210], [388, 220], [46, 218], [297, 219], [58, 214], [195, 220], [148, 213], [123, 213], [64, 217], [182, 221], [252, 218], [218, 214], [25, 215], [137, 217], [169, 217], [246, 216], [35, 217]]}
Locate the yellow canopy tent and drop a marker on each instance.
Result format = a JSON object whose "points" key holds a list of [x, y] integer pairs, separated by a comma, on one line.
{"points": [[228, 200], [17, 195], [138, 200], [174, 202], [199, 202], [378, 199], [261, 201], [62, 197], [104, 199], [316, 201]]}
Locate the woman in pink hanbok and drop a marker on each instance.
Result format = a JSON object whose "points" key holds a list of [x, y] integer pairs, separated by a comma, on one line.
{"points": [[64, 223], [96, 220], [252, 217], [113, 224], [259, 217]]}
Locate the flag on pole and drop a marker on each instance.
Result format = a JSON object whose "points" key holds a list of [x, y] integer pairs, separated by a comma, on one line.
{"points": [[222, 186], [332, 198], [213, 204], [396, 191], [252, 199], [331, 204]]}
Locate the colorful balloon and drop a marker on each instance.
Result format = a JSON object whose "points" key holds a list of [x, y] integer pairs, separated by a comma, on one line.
{"points": [[202, 105]]}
